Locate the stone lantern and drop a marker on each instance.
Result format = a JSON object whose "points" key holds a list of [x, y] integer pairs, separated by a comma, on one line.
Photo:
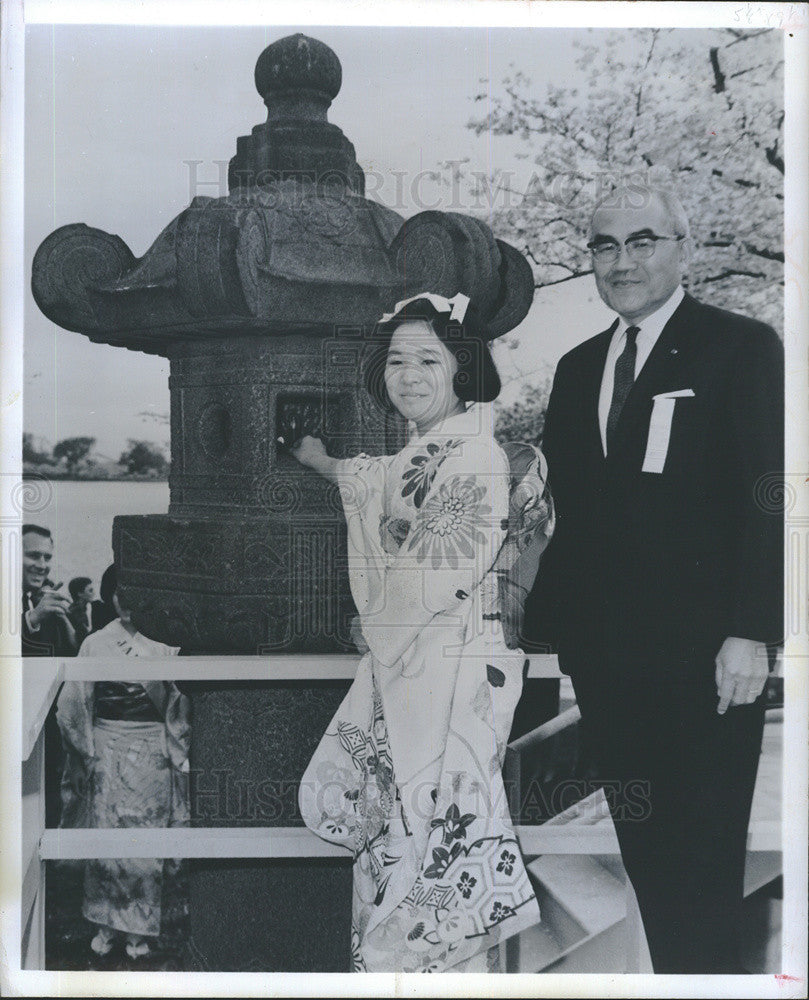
{"points": [[264, 301]]}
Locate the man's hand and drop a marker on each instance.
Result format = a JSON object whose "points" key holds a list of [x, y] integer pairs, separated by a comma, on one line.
{"points": [[51, 603], [741, 672]]}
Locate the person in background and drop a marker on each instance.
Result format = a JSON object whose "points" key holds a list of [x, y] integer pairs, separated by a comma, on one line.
{"points": [[126, 746], [46, 628], [82, 593], [102, 612]]}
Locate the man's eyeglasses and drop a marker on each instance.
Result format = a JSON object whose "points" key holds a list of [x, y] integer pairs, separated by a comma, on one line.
{"points": [[637, 248]]}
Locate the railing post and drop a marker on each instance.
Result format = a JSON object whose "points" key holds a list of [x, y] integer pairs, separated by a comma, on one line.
{"points": [[32, 946]]}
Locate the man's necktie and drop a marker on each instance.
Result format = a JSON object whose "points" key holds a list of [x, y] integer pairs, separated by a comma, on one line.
{"points": [[624, 379]]}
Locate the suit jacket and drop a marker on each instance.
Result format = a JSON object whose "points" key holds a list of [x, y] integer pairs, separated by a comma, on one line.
{"points": [[50, 639], [649, 572]]}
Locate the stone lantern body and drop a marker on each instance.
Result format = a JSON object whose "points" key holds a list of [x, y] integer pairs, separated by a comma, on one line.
{"points": [[264, 301]]}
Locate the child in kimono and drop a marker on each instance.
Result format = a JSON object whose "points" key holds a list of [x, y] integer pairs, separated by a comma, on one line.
{"points": [[127, 762], [408, 773]]}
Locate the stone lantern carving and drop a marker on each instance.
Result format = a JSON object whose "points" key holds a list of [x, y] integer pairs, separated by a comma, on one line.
{"points": [[264, 301]]}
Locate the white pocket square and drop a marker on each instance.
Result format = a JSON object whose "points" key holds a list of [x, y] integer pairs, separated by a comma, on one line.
{"points": [[674, 394], [657, 444]]}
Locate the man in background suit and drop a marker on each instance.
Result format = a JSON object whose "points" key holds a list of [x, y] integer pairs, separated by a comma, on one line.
{"points": [[82, 593], [46, 627], [46, 631], [664, 580]]}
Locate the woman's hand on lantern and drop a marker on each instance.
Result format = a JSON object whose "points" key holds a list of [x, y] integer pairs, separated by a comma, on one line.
{"points": [[311, 452]]}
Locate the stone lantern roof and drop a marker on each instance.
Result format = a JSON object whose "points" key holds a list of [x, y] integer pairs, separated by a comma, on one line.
{"points": [[294, 245]]}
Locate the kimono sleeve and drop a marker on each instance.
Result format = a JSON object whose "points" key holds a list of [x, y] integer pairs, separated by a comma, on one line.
{"points": [[362, 484], [451, 545]]}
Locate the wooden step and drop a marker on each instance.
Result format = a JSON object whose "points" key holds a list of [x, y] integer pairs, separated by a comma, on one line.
{"points": [[584, 929], [591, 894]]}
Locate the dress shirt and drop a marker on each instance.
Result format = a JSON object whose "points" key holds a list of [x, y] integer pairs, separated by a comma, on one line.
{"points": [[650, 329], [27, 607]]}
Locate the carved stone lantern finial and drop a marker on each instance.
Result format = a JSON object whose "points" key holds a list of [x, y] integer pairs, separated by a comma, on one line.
{"points": [[294, 64], [298, 77]]}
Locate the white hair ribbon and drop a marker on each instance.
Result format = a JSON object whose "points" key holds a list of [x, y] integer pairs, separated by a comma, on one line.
{"points": [[456, 306]]}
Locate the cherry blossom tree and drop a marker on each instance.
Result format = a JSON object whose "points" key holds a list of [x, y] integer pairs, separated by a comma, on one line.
{"points": [[701, 110]]}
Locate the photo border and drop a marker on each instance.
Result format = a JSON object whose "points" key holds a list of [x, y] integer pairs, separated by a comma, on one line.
{"points": [[793, 20]]}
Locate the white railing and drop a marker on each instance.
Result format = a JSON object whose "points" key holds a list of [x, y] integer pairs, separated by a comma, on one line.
{"points": [[42, 680]]}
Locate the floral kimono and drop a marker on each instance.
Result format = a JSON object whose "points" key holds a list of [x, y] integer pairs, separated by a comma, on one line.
{"points": [[408, 774], [124, 774]]}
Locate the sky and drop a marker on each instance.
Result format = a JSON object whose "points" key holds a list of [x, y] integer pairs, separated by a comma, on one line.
{"points": [[114, 114]]}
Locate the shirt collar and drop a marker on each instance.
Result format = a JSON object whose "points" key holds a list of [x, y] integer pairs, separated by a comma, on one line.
{"points": [[459, 424], [652, 326]]}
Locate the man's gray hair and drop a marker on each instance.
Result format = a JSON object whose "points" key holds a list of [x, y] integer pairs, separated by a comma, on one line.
{"points": [[666, 195]]}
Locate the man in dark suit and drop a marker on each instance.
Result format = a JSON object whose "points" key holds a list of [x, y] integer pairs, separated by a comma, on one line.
{"points": [[46, 631], [46, 626], [664, 581]]}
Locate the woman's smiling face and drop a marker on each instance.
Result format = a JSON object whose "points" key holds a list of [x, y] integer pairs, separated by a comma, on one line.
{"points": [[419, 373]]}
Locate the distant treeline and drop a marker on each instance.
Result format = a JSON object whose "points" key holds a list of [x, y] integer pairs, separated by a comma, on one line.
{"points": [[76, 458]]}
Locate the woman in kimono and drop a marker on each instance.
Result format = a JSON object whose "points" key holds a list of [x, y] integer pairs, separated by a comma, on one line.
{"points": [[408, 774], [126, 765]]}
